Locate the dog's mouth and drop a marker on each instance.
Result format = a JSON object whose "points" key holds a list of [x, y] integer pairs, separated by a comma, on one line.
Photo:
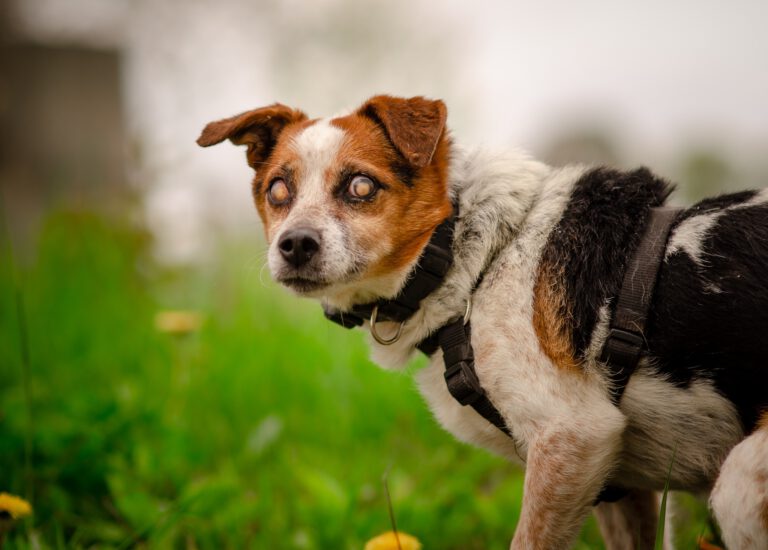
{"points": [[303, 285]]}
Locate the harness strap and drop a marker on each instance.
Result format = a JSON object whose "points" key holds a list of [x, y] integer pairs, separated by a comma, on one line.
{"points": [[460, 376], [626, 339]]}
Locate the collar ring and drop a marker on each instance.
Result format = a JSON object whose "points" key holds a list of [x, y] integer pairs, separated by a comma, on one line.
{"points": [[376, 336]]}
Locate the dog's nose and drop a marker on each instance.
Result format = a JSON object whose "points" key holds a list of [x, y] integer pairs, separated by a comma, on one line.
{"points": [[299, 245]]}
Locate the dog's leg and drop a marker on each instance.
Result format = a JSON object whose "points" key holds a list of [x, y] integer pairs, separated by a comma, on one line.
{"points": [[630, 523], [566, 468], [740, 497]]}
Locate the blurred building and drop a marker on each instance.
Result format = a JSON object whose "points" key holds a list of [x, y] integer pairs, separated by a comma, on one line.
{"points": [[62, 131]]}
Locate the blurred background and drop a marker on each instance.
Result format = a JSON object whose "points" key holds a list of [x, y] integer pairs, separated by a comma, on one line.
{"points": [[156, 389]]}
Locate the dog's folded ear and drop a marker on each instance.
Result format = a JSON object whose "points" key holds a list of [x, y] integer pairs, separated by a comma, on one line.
{"points": [[413, 125], [258, 129]]}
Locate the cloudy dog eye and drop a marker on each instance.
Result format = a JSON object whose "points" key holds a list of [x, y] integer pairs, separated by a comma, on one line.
{"points": [[361, 188], [278, 192]]}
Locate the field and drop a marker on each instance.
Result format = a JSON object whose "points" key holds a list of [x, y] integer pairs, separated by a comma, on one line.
{"points": [[266, 428]]}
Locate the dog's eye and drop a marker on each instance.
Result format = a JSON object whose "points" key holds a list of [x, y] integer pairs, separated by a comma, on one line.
{"points": [[278, 192], [361, 188]]}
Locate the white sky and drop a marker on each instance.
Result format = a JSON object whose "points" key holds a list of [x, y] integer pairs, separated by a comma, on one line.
{"points": [[670, 70], [667, 75]]}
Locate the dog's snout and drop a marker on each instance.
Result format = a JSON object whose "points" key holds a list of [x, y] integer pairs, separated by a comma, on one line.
{"points": [[298, 245]]}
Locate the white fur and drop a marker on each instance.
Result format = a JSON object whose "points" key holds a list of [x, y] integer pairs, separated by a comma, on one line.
{"points": [[696, 423], [758, 200], [496, 192], [317, 147], [690, 235], [740, 498]]}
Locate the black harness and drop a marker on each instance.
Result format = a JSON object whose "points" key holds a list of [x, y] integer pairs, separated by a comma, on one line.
{"points": [[626, 339], [621, 351]]}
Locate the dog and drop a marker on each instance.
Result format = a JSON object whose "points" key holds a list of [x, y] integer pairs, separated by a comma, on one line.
{"points": [[349, 204]]}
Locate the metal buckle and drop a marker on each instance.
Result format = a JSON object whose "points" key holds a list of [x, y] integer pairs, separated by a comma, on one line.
{"points": [[375, 334], [346, 320], [467, 388], [631, 338], [622, 345]]}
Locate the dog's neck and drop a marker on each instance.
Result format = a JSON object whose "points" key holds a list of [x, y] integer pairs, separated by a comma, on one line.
{"points": [[494, 193]]}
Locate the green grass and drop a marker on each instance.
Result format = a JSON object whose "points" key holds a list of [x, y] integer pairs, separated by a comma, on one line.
{"points": [[269, 428]]}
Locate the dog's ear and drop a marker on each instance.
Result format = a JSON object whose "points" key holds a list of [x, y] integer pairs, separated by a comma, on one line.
{"points": [[413, 125], [258, 129]]}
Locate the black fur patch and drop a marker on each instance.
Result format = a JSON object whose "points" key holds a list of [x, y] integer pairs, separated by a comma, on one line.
{"points": [[707, 321], [592, 243], [710, 321], [713, 204], [404, 171]]}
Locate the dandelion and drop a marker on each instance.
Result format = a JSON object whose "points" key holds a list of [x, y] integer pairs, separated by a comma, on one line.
{"points": [[393, 540], [11, 509], [178, 322]]}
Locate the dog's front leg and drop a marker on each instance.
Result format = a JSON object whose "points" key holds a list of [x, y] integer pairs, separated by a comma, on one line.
{"points": [[567, 465]]}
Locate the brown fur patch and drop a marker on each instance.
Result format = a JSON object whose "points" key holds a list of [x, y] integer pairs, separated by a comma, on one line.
{"points": [[414, 125], [550, 315], [259, 129], [762, 423], [405, 213]]}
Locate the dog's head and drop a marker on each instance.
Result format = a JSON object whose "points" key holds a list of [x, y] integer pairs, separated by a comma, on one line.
{"points": [[347, 203]]}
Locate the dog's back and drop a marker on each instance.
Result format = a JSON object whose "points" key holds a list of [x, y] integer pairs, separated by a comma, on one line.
{"points": [[710, 312]]}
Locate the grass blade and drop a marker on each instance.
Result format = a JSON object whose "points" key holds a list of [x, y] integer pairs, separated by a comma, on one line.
{"points": [[385, 480], [659, 544]]}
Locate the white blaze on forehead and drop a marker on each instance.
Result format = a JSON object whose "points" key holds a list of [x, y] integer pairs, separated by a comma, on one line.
{"points": [[317, 147]]}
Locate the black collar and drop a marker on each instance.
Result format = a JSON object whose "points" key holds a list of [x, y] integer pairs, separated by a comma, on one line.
{"points": [[426, 277]]}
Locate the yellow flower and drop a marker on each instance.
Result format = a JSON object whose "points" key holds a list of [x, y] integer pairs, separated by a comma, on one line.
{"points": [[389, 541], [178, 321], [14, 506]]}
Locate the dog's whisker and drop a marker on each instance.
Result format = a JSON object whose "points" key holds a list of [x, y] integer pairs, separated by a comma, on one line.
{"points": [[264, 266]]}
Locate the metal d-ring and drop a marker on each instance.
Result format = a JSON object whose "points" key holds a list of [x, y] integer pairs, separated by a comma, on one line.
{"points": [[468, 311], [379, 339]]}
